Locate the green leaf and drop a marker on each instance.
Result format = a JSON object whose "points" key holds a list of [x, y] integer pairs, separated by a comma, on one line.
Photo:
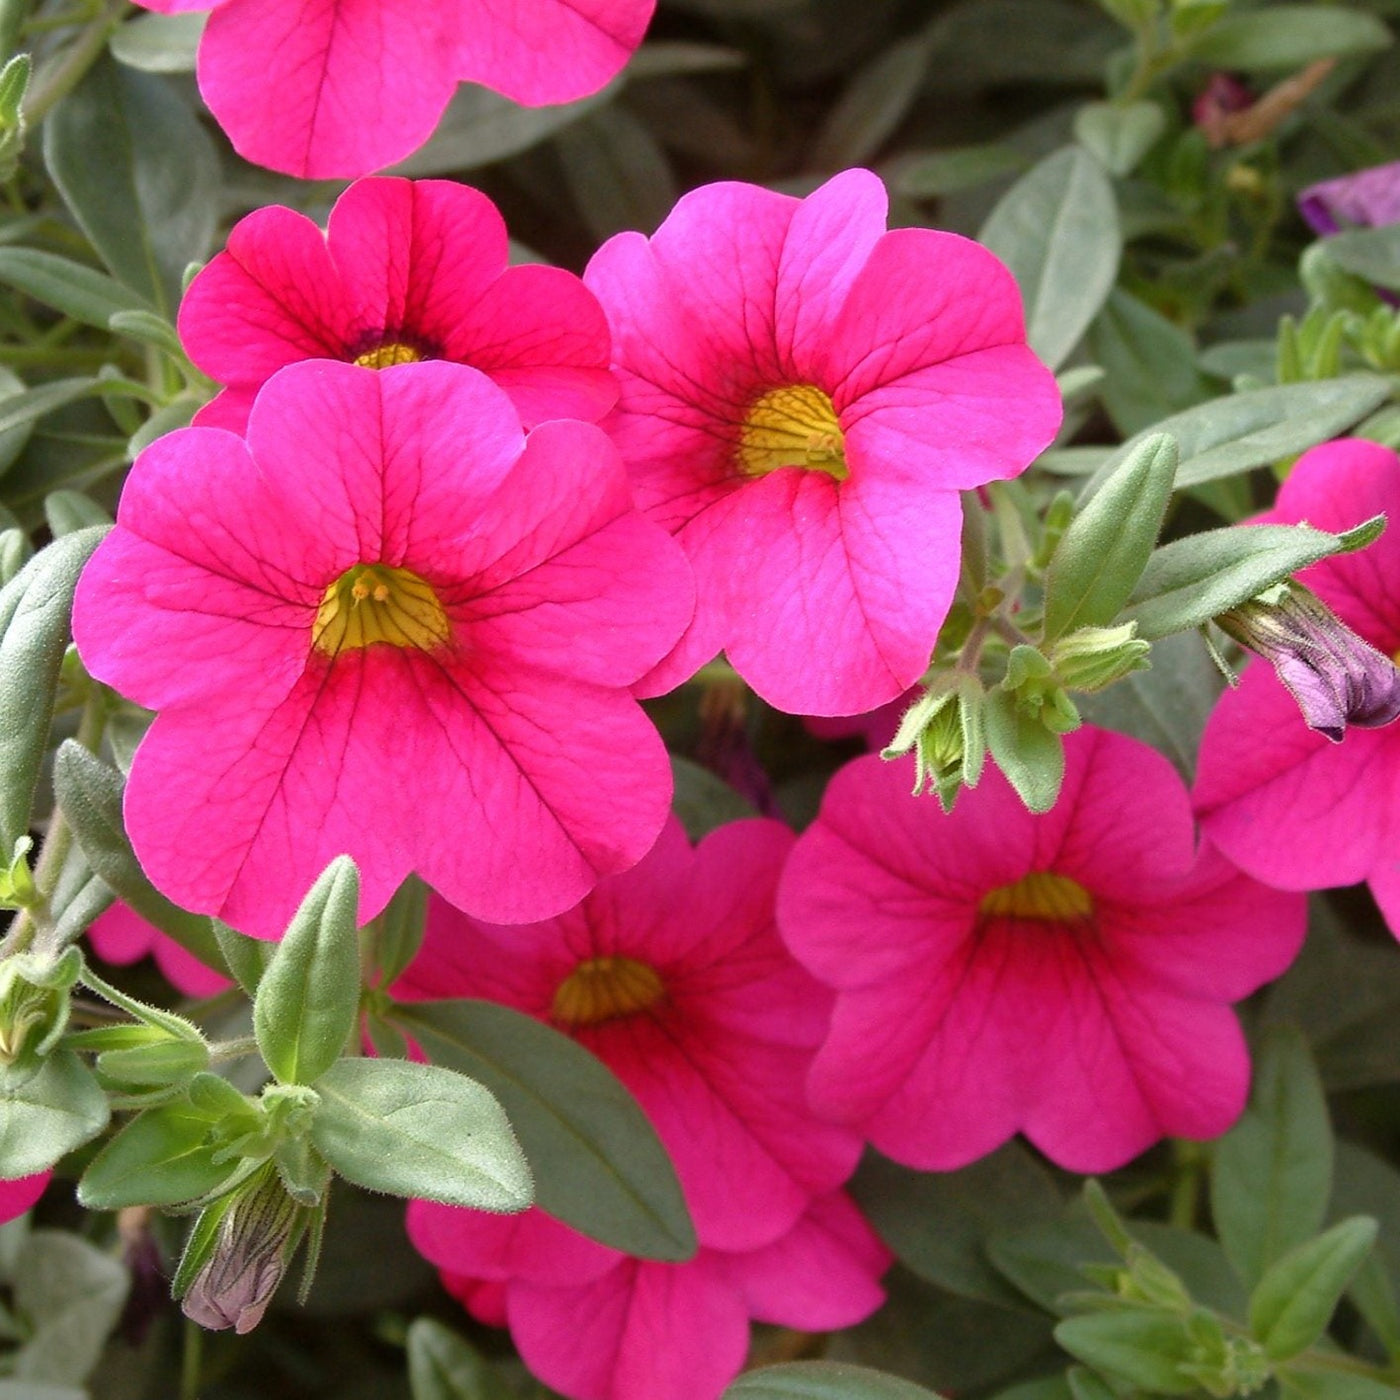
{"points": [[1029, 755], [928, 175], [163, 1157], [399, 930], [76, 290], [1331, 1385], [35, 611], [1149, 363], [1288, 36], [89, 792], [139, 174], [1367, 1184], [617, 172], [442, 1366], [597, 1162], [1294, 1301], [1273, 1169], [1119, 136], [246, 958], [1144, 1348], [59, 1109], [1057, 230], [873, 104], [67, 512], [20, 411], [159, 43], [309, 997], [1102, 554], [1190, 580], [1239, 432], [1047, 1388], [13, 441], [419, 1131], [1369, 253], [72, 1295], [481, 127], [822, 1380], [704, 801], [938, 1223]]}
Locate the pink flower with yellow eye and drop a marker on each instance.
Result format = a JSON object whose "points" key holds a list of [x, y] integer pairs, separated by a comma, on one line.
{"points": [[1068, 975], [388, 624], [406, 270], [803, 395], [334, 89]]}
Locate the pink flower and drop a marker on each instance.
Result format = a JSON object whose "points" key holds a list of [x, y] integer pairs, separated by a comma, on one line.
{"points": [[333, 89], [122, 936], [18, 1194], [673, 974], [803, 397], [596, 1325], [388, 625], [1280, 800], [1068, 976], [406, 270], [1369, 198]]}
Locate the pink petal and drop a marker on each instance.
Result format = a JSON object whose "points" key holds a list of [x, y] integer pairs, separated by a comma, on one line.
{"points": [[530, 1246], [121, 935], [565, 575], [544, 51], [228, 409], [177, 7], [1296, 811], [272, 297], [642, 1332], [822, 1275], [18, 1194], [327, 89], [414, 255], [1333, 487]]}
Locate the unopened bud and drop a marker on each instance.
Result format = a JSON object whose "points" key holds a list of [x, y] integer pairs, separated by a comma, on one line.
{"points": [[34, 1004], [258, 1231], [1093, 658], [1336, 677]]}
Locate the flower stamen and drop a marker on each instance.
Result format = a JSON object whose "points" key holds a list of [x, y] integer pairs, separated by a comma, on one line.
{"points": [[390, 352], [606, 989], [1040, 895], [374, 603], [792, 426]]}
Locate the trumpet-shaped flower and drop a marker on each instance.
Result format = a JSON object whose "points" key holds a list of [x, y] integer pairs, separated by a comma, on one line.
{"points": [[1067, 975], [673, 974], [803, 395], [388, 624], [406, 270], [1280, 800], [121, 935], [597, 1325], [333, 89]]}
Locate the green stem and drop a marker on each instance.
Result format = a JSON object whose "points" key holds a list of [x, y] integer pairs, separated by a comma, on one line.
{"points": [[1186, 1185], [59, 79], [222, 1051], [191, 1360]]}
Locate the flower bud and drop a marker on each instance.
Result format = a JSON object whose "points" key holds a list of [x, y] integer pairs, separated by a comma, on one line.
{"points": [[258, 1230], [1336, 677], [34, 1004], [1093, 658], [944, 729]]}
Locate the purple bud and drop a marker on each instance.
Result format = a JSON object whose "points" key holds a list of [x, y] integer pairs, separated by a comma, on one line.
{"points": [[1367, 198], [256, 1238], [1336, 677]]}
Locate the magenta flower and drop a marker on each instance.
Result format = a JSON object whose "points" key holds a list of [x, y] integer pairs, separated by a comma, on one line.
{"points": [[596, 1325], [1280, 800], [406, 270], [19, 1193], [334, 89], [122, 936], [1068, 976], [673, 974], [803, 396], [389, 625]]}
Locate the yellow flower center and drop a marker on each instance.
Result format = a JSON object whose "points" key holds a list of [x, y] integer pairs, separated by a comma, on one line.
{"points": [[375, 603], [392, 352], [1040, 895], [795, 426], [604, 989]]}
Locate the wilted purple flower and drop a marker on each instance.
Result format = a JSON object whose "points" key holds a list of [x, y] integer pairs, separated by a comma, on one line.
{"points": [[1369, 198], [1336, 677]]}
